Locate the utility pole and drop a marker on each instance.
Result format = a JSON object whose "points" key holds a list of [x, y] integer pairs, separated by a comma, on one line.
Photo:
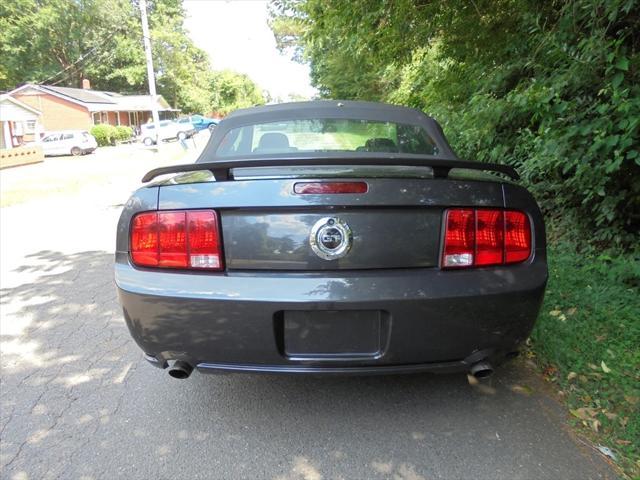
{"points": [[150, 75]]}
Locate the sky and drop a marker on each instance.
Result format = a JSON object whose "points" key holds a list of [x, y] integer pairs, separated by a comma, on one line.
{"points": [[236, 36]]}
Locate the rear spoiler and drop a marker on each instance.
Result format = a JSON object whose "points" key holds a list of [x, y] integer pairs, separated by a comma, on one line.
{"points": [[220, 168]]}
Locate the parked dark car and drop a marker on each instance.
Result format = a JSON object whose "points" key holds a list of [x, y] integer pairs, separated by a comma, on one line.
{"points": [[330, 237]]}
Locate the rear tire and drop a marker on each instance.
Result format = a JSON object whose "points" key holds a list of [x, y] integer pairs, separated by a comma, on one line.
{"points": [[75, 151], [147, 142]]}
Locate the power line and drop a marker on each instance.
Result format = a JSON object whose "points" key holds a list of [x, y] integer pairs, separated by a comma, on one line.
{"points": [[80, 59]]}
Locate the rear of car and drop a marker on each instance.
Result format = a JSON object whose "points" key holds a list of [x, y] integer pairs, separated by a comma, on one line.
{"points": [[330, 238]]}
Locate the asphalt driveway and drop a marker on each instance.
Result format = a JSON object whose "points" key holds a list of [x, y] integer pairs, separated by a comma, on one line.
{"points": [[78, 401]]}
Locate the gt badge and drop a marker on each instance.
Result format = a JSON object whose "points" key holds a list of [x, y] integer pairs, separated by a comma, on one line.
{"points": [[330, 238]]}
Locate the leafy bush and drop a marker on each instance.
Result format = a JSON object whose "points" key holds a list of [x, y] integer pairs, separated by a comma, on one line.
{"points": [[123, 133], [552, 88], [105, 134]]}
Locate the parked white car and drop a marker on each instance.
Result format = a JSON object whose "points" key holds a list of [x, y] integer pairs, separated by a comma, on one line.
{"points": [[168, 130], [68, 142]]}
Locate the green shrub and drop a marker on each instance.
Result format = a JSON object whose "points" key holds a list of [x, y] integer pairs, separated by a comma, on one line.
{"points": [[105, 134], [123, 133], [552, 88], [587, 337]]}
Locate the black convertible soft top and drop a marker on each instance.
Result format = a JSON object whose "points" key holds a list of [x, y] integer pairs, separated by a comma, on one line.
{"points": [[441, 163]]}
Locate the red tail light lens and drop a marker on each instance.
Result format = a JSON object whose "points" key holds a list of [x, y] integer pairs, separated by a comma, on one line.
{"points": [[459, 244], [489, 237], [172, 237], [204, 240], [483, 237], [176, 239], [330, 187], [144, 239], [517, 241]]}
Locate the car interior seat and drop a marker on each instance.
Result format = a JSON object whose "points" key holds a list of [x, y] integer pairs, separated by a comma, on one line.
{"points": [[273, 141], [378, 145]]}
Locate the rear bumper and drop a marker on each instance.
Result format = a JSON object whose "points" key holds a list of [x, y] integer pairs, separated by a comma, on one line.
{"points": [[439, 321]]}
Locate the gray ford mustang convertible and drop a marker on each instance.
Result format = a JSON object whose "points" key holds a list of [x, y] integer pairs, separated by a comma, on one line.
{"points": [[330, 237]]}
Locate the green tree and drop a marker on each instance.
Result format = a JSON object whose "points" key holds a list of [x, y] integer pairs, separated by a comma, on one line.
{"points": [[39, 38], [551, 87], [102, 40], [232, 90]]}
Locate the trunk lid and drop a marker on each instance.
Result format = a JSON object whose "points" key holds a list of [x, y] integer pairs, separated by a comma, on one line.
{"points": [[397, 223]]}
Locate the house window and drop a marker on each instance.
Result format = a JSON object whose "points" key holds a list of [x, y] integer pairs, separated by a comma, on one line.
{"points": [[117, 118], [96, 118], [18, 129], [30, 126], [133, 119]]}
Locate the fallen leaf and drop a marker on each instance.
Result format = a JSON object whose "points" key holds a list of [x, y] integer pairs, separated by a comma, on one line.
{"points": [[600, 338], [605, 369], [631, 400], [623, 442], [522, 389], [595, 425], [572, 376], [562, 318], [555, 313], [584, 413], [593, 366], [610, 416], [572, 311]]}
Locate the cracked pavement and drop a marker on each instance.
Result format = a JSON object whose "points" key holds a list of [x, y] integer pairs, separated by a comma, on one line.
{"points": [[77, 400]]}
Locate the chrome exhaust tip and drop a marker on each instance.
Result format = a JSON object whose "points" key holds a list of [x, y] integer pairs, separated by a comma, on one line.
{"points": [[180, 370], [481, 370]]}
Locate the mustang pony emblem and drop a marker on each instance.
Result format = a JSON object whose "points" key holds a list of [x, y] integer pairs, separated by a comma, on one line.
{"points": [[330, 238]]}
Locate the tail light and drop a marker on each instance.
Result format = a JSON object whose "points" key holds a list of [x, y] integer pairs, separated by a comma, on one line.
{"points": [[483, 237], [177, 239]]}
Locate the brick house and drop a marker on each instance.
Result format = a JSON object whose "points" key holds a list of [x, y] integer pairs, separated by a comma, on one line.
{"points": [[64, 108]]}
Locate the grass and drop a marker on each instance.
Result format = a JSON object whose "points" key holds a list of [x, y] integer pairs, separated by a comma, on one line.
{"points": [[587, 340]]}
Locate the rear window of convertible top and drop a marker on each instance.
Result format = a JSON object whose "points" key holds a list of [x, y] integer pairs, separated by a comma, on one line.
{"points": [[326, 135]]}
